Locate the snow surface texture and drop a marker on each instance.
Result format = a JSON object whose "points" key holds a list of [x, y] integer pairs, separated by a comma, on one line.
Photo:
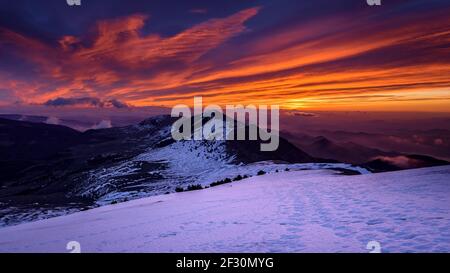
{"points": [[299, 211]]}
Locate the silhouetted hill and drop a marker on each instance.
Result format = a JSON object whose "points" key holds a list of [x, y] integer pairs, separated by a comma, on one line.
{"points": [[403, 162]]}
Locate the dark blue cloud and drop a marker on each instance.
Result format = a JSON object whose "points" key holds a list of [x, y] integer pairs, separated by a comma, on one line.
{"points": [[49, 20], [86, 101]]}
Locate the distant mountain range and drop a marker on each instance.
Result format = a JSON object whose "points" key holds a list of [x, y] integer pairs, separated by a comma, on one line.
{"points": [[373, 159], [78, 124], [350, 152]]}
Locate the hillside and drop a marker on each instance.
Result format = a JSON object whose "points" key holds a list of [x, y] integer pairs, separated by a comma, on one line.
{"points": [[299, 211], [49, 170]]}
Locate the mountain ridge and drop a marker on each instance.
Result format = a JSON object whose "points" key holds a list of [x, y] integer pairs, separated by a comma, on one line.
{"points": [[111, 164]]}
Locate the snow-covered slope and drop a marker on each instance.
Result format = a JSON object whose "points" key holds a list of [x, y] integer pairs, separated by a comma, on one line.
{"points": [[167, 164], [297, 211], [100, 167]]}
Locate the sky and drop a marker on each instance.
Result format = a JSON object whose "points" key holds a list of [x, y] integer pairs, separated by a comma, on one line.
{"points": [[302, 55]]}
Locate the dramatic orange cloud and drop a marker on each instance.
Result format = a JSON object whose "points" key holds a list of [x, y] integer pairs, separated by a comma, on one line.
{"points": [[340, 63]]}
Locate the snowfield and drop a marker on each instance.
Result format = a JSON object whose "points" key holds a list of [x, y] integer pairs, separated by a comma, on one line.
{"points": [[297, 211]]}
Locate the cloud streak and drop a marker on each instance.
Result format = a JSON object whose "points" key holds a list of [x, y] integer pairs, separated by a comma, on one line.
{"points": [[86, 102]]}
